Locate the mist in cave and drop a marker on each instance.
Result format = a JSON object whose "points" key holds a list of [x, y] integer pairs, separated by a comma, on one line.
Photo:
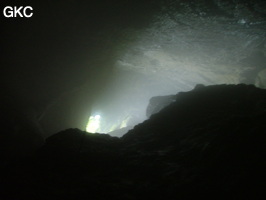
{"points": [[112, 57], [109, 66]]}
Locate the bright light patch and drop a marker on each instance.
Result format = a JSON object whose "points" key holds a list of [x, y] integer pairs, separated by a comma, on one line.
{"points": [[97, 117], [124, 122], [96, 124], [93, 124]]}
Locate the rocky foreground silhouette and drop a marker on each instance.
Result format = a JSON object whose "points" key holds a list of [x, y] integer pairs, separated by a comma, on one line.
{"points": [[209, 142]]}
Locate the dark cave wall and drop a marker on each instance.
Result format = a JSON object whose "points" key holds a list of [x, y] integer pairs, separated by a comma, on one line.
{"points": [[21, 133]]}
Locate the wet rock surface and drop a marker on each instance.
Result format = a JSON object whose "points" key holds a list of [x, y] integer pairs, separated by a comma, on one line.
{"points": [[209, 143]]}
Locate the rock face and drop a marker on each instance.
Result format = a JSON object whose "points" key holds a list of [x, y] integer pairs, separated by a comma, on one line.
{"points": [[158, 103], [209, 143]]}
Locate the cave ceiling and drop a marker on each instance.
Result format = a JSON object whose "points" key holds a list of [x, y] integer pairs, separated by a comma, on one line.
{"points": [[191, 42]]}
